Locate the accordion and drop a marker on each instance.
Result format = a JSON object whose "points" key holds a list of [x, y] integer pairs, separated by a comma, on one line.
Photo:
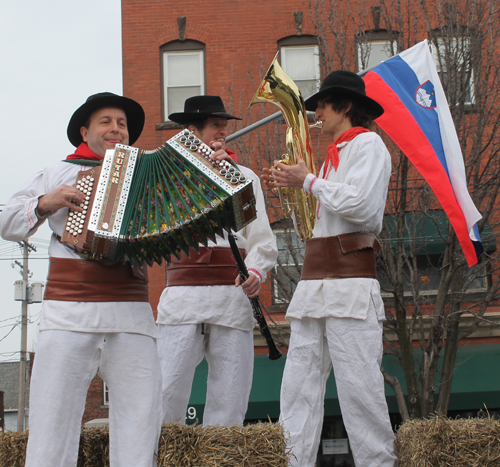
{"points": [[144, 206]]}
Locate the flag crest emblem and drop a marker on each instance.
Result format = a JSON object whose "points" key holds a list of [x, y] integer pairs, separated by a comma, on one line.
{"points": [[425, 95]]}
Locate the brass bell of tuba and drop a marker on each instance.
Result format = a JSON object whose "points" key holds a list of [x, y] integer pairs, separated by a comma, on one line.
{"points": [[278, 88]]}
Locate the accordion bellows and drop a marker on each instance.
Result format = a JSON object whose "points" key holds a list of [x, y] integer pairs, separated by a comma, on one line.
{"points": [[146, 206]]}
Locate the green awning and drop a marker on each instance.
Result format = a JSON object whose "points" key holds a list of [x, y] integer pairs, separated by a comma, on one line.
{"points": [[476, 381], [427, 232], [476, 384]]}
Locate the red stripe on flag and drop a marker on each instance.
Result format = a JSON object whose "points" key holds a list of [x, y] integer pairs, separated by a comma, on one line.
{"points": [[399, 124]]}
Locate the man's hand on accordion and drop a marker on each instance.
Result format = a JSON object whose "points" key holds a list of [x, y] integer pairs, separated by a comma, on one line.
{"points": [[220, 153], [251, 287], [64, 196]]}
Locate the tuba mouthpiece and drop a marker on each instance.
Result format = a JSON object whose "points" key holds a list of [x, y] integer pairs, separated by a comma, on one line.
{"points": [[318, 124]]}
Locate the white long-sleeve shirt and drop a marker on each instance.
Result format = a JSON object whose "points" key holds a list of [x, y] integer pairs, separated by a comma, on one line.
{"points": [[18, 221], [225, 305], [352, 199]]}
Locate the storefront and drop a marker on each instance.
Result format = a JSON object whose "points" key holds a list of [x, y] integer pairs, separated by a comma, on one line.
{"points": [[476, 385]]}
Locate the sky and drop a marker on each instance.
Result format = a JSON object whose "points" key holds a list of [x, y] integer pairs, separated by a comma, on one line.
{"points": [[53, 55]]}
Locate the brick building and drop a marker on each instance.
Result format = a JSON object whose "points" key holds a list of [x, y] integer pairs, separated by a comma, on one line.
{"points": [[174, 49]]}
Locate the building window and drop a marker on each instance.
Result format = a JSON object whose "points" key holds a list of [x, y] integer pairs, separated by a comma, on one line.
{"points": [[288, 266], [372, 51], [183, 74], [300, 60], [452, 57], [106, 393], [428, 270], [423, 241]]}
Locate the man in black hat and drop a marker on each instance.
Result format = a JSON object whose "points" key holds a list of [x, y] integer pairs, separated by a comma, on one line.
{"points": [[96, 319], [337, 311], [201, 313], [206, 116]]}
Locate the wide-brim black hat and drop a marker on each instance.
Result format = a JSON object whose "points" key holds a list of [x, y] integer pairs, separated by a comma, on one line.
{"points": [[201, 107], [348, 84], [133, 111]]}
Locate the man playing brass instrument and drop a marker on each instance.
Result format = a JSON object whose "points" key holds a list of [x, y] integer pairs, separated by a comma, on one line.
{"points": [[95, 318], [337, 311], [201, 313]]}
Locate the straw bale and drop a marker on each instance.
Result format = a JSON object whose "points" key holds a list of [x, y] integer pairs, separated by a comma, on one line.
{"points": [[13, 448], [440, 442], [93, 451], [259, 445], [94, 447]]}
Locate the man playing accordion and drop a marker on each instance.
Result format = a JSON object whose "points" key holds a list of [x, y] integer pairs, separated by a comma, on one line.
{"points": [[96, 318]]}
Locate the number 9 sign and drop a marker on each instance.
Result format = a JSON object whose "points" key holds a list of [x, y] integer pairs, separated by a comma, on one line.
{"points": [[191, 413]]}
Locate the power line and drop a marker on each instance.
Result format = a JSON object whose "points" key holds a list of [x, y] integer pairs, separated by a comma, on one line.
{"points": [[7, 319], [20, 258], [9, 325], [6, 335], [34, 318], [12, 353]]}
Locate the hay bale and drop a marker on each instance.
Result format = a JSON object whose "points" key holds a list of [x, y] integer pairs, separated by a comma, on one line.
{"points": [[94, 447], [259, 445], [13, 448], [440, 441], [93, 450]]}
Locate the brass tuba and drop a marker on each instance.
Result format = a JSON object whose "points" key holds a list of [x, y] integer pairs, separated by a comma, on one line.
{"points": [[278, 88]]}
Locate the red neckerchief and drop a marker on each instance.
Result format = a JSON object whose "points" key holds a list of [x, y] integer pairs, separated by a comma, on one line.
{"points": [[232, 154], [332, 159], [83, 152], [333, 154]]}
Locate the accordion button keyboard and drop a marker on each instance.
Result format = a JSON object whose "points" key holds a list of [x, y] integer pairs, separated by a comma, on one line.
{"points": [[225, 168], [76, 220]]}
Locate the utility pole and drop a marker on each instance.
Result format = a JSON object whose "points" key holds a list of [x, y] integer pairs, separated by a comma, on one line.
{"points": [[25, 294], [21, 404], [2, 412]]}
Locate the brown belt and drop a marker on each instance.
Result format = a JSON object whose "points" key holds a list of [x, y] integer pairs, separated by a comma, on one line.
{"points": [[76, 280], [340, 257], [212, 266]]}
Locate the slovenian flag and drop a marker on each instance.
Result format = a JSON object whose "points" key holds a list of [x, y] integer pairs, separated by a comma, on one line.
{"points": [[417, 118]]}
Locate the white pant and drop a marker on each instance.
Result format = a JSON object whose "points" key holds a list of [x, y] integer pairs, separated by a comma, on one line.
{"points": [[229, 354], [355, 349], [65, 364]]}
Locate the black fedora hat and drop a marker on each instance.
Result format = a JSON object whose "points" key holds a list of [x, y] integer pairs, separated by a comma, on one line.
{"points": [[133, 111], [200, 107], [345, 83]]}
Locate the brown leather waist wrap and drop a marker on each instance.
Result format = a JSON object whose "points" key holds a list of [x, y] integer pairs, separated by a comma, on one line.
{"points": [[76, 280], [212, 266], [340, 257]]}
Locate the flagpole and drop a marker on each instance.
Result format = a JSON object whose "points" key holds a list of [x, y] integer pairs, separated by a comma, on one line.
{"points": [[253, 126]]}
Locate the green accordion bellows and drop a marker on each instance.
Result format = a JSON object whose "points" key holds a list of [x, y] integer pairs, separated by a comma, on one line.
{"points": [[147, 206]]}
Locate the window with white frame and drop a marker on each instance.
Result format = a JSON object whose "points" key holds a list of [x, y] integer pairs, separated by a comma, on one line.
{"points": [[301, 63], [373, 52], [106, 393], [288, 266], [452, 58], [183, 74]]}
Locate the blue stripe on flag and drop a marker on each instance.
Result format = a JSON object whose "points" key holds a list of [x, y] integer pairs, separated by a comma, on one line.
{"points": [[405, 88]]}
